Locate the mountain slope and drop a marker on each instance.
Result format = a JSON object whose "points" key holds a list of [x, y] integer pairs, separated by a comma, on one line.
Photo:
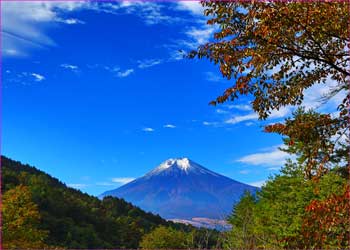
{"points": [[182, 189], [77, 220]]}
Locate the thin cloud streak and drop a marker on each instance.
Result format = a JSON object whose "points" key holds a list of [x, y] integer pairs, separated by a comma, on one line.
{"points": [[69, 66], [122, 180], [77, 185], [38, 77], [122, 74], [148, 129], [273, 158], [169, 126], [258, 183], [147, 63]]}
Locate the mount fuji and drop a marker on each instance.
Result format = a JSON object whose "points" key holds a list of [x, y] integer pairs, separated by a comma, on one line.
{"points": [[182, 189]]}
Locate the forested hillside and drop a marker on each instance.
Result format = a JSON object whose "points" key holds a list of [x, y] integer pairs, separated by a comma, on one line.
{"points": [[39, 210]]}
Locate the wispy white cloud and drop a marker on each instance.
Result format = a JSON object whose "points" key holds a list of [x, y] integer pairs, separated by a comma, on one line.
{"points": [[105, 184], [150, 13], [244, 171], [213, 77], [70, 21], [111, 69], [142, 64], [148, 129], [69, 66], [114, 70], [194, 7], [77, 185], [257, 183], [38, 77], [22, 28], [244, 107], [242, 118], [206, 123], [10, 51], [176, 55], [318, 96], [122, 180], [282, 112], [125, 73], [221, 111], [314, 98], [274, 168], [198, 32], [275, 157], [198, 35], [23, 78], [169, 126]]}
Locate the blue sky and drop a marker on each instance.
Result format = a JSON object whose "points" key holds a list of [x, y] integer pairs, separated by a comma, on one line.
{"points": [[98, 94]]}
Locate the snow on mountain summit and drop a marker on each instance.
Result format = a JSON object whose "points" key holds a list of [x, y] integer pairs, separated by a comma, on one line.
{"points": [[182, 163], [179, 165]]}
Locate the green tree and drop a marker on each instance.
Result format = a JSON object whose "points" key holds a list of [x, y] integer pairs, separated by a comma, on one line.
{"points": [[21, 220], [280, 209], [165, 237], [242, 220], [277, 218], [325, 219], [310, 136], [205, 238]]}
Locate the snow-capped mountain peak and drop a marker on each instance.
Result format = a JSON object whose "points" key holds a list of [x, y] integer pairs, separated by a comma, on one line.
{"points": [[179, 166], [181, 163]]}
